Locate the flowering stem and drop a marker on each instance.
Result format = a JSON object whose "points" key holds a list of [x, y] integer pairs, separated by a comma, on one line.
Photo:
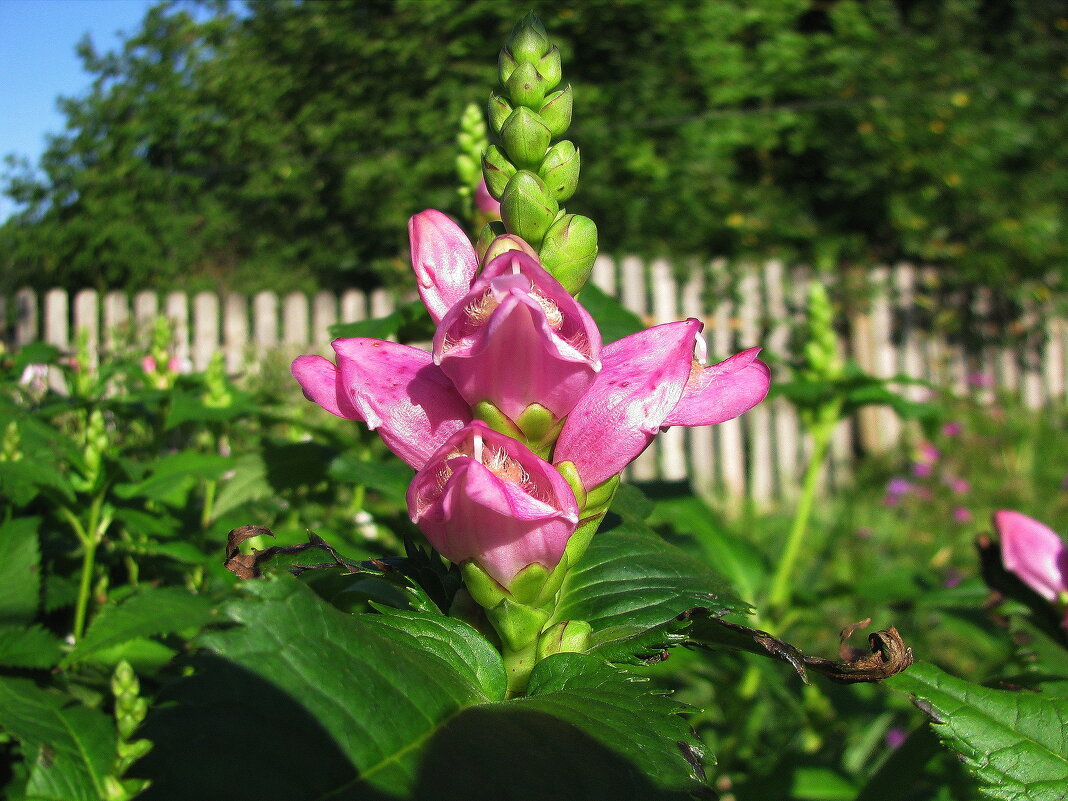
{"points": [[821, 429], [518, 664], [89, 537]]}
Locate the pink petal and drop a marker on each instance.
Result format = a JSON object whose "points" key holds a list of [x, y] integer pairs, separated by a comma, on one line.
{"points": [[640, 383], [485, 202], [1033, 552], [506, 512], [722, 391], [398, 391], [443, 259], [319, 379], [498, 344]]}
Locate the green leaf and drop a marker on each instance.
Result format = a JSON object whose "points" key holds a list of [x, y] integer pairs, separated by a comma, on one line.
{"points": [[151, 612], [390, 477], [28, 647], [71, 747], [190, 407], [614, 321], [20, 577], [249, 483], [636, 578], [404, 705], [409, 323], [173, 476], [1015, 743]]}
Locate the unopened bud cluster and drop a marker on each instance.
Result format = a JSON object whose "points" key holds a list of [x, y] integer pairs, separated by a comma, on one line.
{"points": [[821, 359], [130, 711], [526, 171]]}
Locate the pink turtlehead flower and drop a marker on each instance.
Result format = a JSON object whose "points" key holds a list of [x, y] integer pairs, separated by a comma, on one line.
{"points": [[651, 380], [395, 389], [485, 202], [443, 259], [519, 338], [486, 497], [1034, 553]]}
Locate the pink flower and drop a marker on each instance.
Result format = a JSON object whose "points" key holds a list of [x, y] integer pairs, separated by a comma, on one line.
{"points": [[519, 338], [895, 737], [486, 497], [443, 259], [148, 364], [952, 429], [928, 454], [485, 202], [959, 486], [649, 381], [962, 514], [898, 486], [1034, 553], [395, 389]]}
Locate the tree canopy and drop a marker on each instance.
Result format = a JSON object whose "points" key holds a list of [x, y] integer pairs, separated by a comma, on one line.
{"points": [[285, 144]]}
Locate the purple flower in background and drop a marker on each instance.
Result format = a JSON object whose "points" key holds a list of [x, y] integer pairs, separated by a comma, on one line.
{"points": [[896, 489], [864, 533], [952, 579], [921, 469], [980, 380], [952, 429], [962, 514], [895, 737], [928, 453]]}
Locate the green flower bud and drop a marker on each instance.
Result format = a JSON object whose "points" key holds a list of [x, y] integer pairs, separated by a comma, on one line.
{"points": [[526, 87], [527, 208], [497, 170], [555, 112], [567, 636], [560, 170], [527, 585], [505, 243], [569, 251], [498, 110], [489, 233], [525, 138], [518, 625], [529, 41], [506, 65], [550, 69]]}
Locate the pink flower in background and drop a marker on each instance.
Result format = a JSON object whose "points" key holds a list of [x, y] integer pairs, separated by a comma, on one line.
{"points": [[896, 489], [959, 486], [148, 364], [952, 429], [979, 380], [485, 202], [518, 338], [1034, 553], [921, 469], [962, 514], [952, 579], [486, 497], [895, 737], [928, 453]]}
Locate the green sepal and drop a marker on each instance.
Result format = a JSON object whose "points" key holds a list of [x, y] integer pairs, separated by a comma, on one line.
{"points": [[569, 250], [486, 237], [484, 589], [527, 208], [527, 585], [497, 170], [540, 428], [550, 68], [599, 498], [506, 64], [496, 419], [526, 86], [529, 41], [547, 596], [571, 476], [525, 138], [560, 170], [497, 110], [517, 624], [567, 636], [555, 112]]}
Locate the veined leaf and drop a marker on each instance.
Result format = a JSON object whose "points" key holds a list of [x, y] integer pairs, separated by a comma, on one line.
{"points": [[28, 647], [71, 747], [151, 612], [20, 578], [1015, 743]]}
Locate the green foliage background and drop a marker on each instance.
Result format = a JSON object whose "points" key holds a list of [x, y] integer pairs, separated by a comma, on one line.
{"points": [[285, 144]]}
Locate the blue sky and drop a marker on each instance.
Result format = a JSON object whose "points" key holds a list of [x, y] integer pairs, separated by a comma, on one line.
{"points": [[38, 63]]}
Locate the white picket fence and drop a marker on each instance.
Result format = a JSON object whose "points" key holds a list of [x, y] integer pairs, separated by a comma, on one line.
{"points": [[758, 457]]}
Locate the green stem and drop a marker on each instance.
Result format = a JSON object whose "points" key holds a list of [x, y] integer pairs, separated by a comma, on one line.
{"points": [[518, 665], [209, 502], [782, 582], [84, 588]]}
